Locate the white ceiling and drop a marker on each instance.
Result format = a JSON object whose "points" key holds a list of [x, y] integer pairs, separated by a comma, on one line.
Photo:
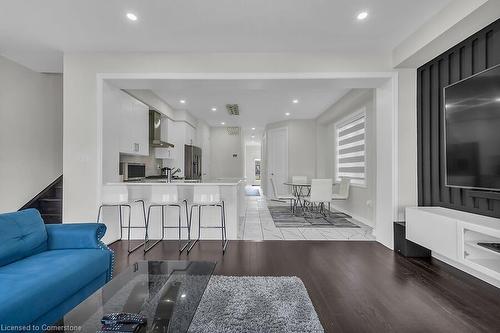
{"points": [[261, 101], [36, 33]]}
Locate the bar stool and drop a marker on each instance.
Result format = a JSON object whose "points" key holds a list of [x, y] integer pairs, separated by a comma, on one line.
{"points": [[167, 196], [117, 196], [209, 196]]}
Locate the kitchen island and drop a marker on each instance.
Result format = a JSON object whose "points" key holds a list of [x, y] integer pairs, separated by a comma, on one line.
{"points": [[232, 192]]}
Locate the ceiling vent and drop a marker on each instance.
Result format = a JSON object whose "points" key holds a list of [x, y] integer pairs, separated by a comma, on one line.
{"points": [[233, 109], [233, 130]]}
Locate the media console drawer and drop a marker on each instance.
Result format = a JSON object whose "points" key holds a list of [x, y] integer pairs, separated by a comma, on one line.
{"points": [[427, 227]]}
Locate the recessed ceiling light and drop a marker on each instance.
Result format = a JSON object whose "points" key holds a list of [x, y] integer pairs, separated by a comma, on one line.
{"points": [[497, 99], [182, 101], [223, 123], [253, 128], [363, 15], [132, 16], [295, 101], [214, 109], [253, 136], [287, 114]]}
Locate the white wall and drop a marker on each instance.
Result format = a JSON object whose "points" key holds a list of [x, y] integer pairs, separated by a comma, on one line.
{"points": [[31, 146], [387, 167], [222, 148], [454, 23], [252, 153], [407, 141], [301, 148], [361, 199], [112, 101]]}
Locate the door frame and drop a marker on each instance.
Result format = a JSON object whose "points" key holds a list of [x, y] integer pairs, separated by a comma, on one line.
{"points": [[270, 134], [386, 203]]}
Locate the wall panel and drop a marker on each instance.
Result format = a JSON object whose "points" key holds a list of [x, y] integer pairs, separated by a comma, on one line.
{"points": [[475, 54]]}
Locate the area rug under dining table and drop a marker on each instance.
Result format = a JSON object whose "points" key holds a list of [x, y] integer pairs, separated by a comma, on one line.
{"points": [[284, 218]]}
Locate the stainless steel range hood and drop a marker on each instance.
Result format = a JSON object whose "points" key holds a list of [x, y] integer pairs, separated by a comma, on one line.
{"points": [[155, 131]]}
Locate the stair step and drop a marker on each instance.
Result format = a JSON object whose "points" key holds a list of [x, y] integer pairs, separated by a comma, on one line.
{"points": [[50, 199], [50, 205], [49, 202], [58, 192], [52, 218]]}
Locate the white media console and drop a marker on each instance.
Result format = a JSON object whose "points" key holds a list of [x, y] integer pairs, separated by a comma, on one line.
{"points": [[453, 237]]}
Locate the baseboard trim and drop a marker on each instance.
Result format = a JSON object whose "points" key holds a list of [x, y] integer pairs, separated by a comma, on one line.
{"points": [[354, 216], [112, 242]]}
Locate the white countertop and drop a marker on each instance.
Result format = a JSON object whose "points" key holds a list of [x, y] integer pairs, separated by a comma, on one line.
{"points": [[178, 183]]}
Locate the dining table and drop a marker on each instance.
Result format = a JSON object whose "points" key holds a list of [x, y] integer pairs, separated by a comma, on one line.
{"points": [[299, 190]]}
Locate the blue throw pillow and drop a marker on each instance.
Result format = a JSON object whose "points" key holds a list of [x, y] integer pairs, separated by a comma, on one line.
{"points": [[22, 234]]}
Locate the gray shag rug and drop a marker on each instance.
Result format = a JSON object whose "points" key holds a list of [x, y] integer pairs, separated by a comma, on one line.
{"points": [[242, 304], [284, 218]]}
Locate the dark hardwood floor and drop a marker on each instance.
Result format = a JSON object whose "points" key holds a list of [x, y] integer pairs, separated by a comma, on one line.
{"points": [[355, 286]]}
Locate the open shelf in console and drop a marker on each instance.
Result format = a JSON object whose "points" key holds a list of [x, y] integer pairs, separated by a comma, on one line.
{"points": [[475, 251]]}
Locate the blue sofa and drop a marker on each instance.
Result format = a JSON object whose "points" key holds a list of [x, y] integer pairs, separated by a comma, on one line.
{"points": [[46, 270]]}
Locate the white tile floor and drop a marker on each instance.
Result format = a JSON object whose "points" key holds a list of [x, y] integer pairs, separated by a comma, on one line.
{"points": [[258, 225]]}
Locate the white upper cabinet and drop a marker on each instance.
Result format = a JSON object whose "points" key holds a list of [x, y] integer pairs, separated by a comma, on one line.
{"points": [[164, 129], [134, 126], [190, 134]]}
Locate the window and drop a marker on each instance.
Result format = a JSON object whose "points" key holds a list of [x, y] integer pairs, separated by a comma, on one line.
{"points": [[351, 149]]}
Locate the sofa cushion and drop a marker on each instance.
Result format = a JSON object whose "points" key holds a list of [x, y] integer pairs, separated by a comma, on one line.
{"points": [[22, 234], [32, 286]]}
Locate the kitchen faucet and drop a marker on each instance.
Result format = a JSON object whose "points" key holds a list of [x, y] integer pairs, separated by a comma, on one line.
{"points": [[170, 174]]}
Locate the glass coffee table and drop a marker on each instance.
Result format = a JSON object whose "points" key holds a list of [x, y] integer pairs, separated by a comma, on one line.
{"points": [[166, 292]]}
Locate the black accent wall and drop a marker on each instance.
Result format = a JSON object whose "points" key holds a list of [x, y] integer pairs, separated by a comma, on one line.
{"points": [[475, 54]]}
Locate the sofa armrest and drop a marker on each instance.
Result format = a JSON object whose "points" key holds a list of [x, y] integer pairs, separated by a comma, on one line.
{"points": [[75, 236]]}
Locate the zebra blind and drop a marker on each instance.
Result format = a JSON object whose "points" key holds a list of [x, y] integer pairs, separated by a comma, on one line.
{"points": [[351, 153]]}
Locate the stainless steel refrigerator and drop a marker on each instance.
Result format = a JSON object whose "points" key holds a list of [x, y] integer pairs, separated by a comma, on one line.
{"points": [[192, 162]]}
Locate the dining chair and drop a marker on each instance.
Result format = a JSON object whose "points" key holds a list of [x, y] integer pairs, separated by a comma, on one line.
{"points": [[321, 193], [300, 180], [282, 198], [343, 189]]}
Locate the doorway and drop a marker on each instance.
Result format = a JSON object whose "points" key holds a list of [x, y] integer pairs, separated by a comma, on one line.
{"points": [[277, 164]]}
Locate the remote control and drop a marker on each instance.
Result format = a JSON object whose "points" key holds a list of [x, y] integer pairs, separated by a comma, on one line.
{"points": [[120, 328], [123, 318]]}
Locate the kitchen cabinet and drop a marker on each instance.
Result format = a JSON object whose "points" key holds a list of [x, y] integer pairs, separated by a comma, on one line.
{"points": [[190, 134], [134, 126], [164, 129]]}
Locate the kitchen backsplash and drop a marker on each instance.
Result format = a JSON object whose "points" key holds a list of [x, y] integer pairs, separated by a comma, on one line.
{"points": [[153, 164]]}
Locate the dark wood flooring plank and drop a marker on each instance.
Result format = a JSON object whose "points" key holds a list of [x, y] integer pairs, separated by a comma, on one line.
{"points": [[355, 286]]}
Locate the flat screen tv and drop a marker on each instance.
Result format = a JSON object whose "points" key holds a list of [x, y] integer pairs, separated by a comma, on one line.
{"points": [[472, 131]]}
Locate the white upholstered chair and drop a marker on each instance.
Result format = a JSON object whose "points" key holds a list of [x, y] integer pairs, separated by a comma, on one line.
{"points": [[321, 193], [291, 198], [343, 189]]}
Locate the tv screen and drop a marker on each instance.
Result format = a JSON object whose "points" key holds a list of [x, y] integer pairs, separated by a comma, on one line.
{"points": [[472, 131]]}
